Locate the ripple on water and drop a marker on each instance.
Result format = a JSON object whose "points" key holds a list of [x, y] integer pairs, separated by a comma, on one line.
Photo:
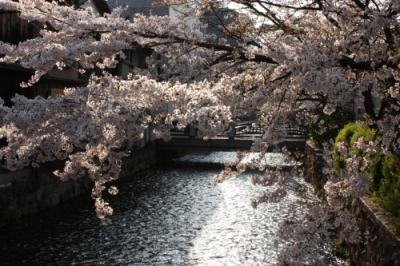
{"points": [[174, 217]]}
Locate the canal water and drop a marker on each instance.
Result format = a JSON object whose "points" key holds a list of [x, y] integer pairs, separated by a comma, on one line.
{"points": [[169, 217]]}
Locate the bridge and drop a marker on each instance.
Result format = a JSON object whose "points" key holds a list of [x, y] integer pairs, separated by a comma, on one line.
{"points": [[238, 137]]}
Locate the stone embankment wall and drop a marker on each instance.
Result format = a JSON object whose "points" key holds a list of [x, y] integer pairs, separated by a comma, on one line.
{"points": [[313, 167], [32, 190], [381, 244]]}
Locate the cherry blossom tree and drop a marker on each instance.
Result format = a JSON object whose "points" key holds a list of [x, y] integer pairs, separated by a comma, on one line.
{"points": [[291, 62]]}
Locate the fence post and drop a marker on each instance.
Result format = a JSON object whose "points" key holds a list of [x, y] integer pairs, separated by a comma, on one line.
{"points": [[231, 131], [149, 135], [192, 131]]}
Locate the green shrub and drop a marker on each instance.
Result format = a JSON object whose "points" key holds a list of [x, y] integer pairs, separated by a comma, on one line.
{"points": [[346, 133], [375, 172], [352, 132], [341, 250], [385, 173], [389, 190], [349, 136]]}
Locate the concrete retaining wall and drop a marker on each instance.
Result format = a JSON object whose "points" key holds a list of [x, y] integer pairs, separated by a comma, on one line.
{"points": [[35, 189]]}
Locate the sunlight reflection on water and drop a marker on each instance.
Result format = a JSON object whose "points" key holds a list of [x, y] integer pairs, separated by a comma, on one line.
{"points": [[174, 217]]}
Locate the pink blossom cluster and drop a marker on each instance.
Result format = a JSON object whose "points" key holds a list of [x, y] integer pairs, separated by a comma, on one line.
{"points": [[290, 62]]}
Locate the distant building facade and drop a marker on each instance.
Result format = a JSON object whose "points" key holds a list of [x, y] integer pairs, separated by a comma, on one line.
{"points": [[15, 30], [145, 7]]}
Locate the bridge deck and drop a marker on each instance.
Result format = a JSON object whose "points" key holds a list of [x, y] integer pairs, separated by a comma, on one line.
{"points": [[187, 144], [190, 144]]}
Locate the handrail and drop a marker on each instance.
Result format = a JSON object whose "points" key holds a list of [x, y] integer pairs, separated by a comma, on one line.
{"points": [[245, 128]]}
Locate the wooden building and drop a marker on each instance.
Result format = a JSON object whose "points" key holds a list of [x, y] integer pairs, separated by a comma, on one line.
{"points": [[14, 30]]}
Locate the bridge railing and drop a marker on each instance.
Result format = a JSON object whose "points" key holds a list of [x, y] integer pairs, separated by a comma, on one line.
{"points": [[293, 132], [244, 129], [249, 129]]}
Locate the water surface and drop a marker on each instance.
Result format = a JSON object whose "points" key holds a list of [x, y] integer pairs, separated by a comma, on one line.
{"points": [[171, 217]]}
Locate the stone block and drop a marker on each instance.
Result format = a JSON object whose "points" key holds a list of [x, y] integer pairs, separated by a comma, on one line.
{"points": [[380, 243]]}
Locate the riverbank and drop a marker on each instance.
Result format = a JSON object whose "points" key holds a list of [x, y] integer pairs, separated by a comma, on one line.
{"points": [[32, 190], [380, 243]]}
